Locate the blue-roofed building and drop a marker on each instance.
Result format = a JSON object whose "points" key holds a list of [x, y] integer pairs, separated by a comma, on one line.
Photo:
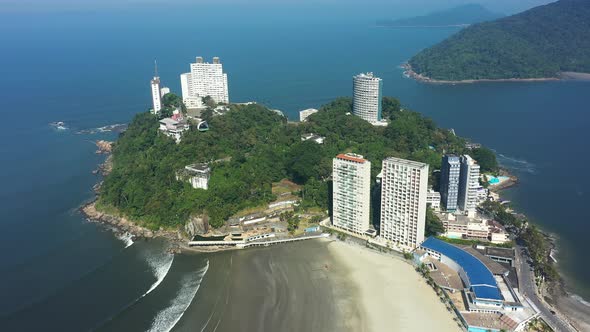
{"points": [[479, 280]]}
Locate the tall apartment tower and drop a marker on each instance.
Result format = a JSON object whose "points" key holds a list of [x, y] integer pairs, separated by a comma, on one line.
{"points": [[205, 79], [351, 192], [156, 96], [468, 185], [450, 176], [404, 187], [366, 97]]}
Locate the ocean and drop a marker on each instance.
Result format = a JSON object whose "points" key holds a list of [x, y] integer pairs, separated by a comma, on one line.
{"points": [[91, 69]]}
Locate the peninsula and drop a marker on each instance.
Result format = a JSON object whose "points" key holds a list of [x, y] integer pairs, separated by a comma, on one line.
{"points": [[459, 16], [544, 43]]}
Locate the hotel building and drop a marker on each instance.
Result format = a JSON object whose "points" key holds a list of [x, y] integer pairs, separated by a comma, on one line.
{"points": [[367, 95], [450, 176], [156, 97], [469, 185], [351, 192], [404, 187], [205, 79]]}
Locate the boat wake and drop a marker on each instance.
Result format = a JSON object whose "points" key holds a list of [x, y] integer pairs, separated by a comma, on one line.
{"points": [[166, 319], [517, 164]]}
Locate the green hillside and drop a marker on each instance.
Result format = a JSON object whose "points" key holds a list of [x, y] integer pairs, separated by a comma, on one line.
{"points": [[540, 42], [460, 15]]}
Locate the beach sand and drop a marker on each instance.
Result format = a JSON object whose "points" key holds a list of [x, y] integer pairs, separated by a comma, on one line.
{"points": [[392, 295]]}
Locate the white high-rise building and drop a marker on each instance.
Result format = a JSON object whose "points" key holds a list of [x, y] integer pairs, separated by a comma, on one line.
{"points": [[305, 113], [469, 185], [205, 79], [351, 192], [366, 97], [156, 97], [404, 187]]}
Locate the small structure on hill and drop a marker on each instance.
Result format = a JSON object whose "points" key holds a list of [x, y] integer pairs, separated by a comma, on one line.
{"points": [[174, 128], [313, 137], [196, 174]]}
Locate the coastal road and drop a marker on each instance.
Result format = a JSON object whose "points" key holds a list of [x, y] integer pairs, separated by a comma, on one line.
{"points": [[528, 289]]}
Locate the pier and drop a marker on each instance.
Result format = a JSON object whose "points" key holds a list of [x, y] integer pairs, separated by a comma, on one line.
{"points": [[248, 244]]}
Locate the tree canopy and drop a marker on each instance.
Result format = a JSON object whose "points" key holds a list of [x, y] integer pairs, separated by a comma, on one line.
{"points": [[538, 43], [250, 147]]}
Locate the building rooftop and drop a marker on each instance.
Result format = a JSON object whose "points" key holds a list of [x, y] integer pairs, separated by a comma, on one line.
{"points": [[481, 279], [500, 252], [495, 267], [197, 167], [357, 158], [169, 121], [406, 162]]}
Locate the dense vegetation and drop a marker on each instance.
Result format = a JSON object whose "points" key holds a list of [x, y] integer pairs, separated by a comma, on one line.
{"points": [[537, 43], [529, 235], [248, 149], [460, 15]]}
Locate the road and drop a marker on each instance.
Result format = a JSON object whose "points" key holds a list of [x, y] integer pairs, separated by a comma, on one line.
{"points": [[528, 289]]}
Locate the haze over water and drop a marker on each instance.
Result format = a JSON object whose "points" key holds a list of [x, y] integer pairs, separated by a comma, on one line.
{"points": [[92, 69]]}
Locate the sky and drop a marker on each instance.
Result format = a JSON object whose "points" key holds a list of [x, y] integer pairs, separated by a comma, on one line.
{"points": [[366, 8]]}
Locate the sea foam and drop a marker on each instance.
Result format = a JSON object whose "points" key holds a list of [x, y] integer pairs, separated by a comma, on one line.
{"points": [[166, 319]]}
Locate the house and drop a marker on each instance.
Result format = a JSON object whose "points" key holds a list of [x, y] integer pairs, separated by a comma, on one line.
{"points": [[174, 128], [313, 137]]}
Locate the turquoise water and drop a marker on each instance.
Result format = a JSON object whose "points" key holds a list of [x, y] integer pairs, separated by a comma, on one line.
{"points": [[93, 68]]}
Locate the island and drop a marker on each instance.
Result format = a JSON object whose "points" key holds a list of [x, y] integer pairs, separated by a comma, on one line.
{"points": [[544, 43], [459, 16]]}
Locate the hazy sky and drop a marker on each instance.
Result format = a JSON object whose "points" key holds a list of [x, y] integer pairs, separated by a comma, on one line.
{"points": [[365, 8]]}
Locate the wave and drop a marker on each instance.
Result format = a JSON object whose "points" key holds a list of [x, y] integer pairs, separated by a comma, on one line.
{"points": [[581, 300], [517, 164], [166, 319], [160, 272], [117, 128], [127, 238]]}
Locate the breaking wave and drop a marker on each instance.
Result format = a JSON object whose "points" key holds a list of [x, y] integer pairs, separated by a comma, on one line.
{"points": [[117, 128], [166, 319], [160, 270], [126, 238]]}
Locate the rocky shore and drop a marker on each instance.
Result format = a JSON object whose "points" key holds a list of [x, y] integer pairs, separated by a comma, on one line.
{"points": [[409, 72]]}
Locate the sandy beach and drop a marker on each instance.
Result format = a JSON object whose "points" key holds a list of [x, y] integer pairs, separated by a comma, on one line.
{"points": [[392, 296]]}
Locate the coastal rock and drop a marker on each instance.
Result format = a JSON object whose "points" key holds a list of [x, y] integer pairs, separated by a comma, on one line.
{"points": [[197, 225], [104, 147]]}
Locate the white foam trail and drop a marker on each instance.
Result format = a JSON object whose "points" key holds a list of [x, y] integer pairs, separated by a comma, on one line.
{"points": [[160, 272], [581, 300], [166, 319], [127, 238]]}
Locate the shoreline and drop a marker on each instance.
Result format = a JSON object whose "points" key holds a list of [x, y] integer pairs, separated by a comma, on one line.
{"points": [[563, 76], [397, 295], [556, 295]]}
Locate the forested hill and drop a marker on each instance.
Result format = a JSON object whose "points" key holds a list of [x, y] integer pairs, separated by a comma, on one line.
{"points": [[538, 43], [253, 148], [460, 15]]}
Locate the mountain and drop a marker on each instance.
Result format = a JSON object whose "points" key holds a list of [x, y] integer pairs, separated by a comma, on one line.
{"points": [[457, 16], [539, 43]]}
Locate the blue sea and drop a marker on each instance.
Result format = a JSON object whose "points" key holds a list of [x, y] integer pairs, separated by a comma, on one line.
{"points": [[92, 68]]}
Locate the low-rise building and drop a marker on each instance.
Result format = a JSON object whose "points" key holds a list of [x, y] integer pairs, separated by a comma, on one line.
{"points": [[313, 137], [303, 115], [174, 128], [433, 199], [461, 226], [196, 174]]}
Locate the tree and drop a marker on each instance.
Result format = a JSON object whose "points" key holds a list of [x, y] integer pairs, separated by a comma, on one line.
{"points": [[486, 159], [433, 224]]}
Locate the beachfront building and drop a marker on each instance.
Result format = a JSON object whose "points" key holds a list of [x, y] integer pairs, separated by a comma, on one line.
{"points": [[156, 96], [205, 79], [450, 175], [468, 185], [351, 192], [404, 186], [306, 113], [433, 199], [367, 95], [467, 227]]}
